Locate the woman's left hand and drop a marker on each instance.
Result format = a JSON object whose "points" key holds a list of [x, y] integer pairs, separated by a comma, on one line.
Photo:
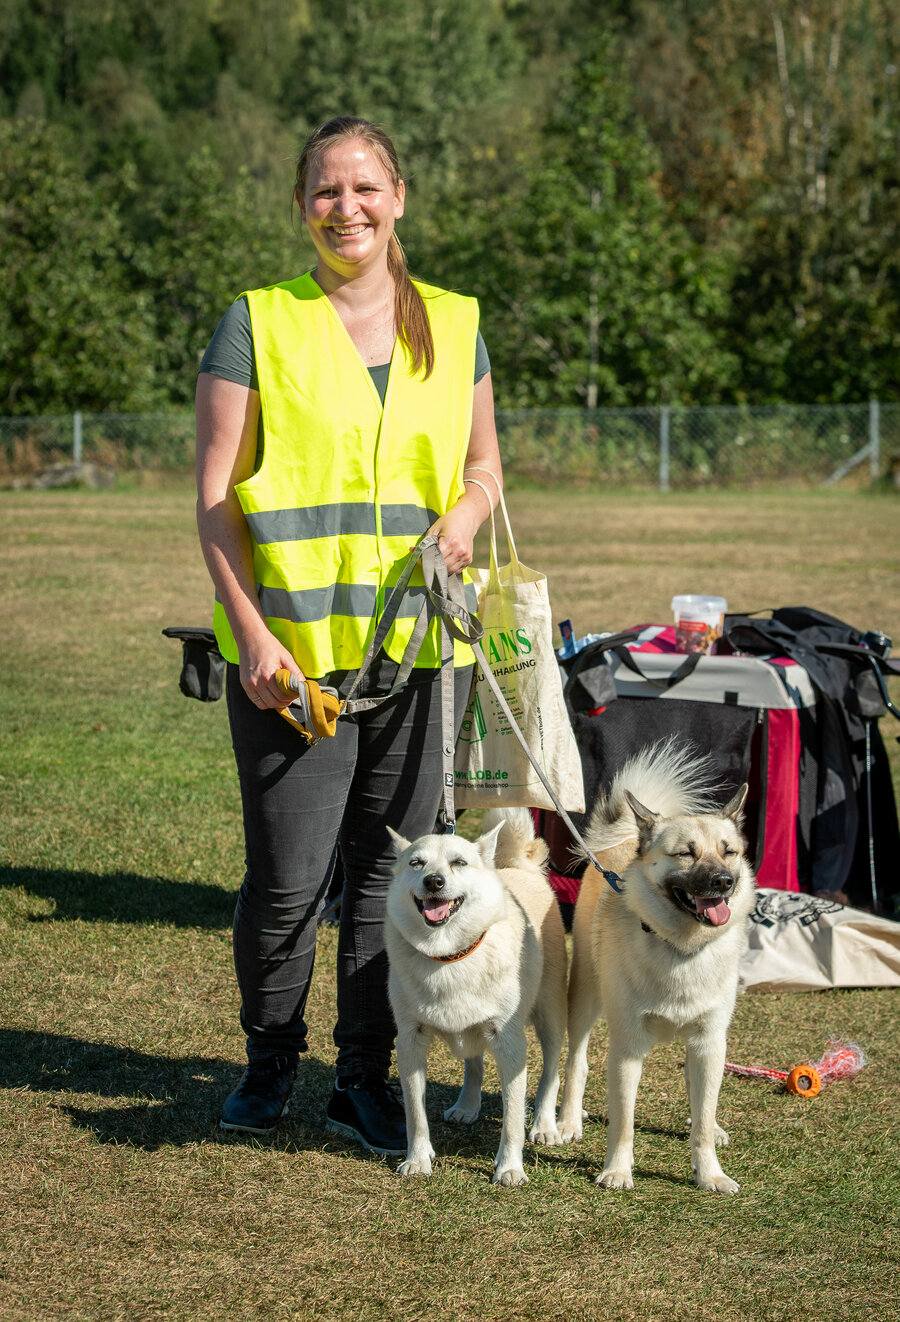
{"points": [[455, 532]]}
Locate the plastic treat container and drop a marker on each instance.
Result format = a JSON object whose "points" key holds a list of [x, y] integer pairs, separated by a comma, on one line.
{"points": [[698, 621]]}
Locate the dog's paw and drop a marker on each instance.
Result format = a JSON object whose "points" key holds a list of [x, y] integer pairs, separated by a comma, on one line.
{"points": [[510, 1177], [546, 1136], [615, 1180], [462, 1115], [718, 1184], [569, 1131], [416, 1166]]}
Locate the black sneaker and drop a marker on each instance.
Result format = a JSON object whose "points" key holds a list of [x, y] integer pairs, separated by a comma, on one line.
{"points": [[369, 1110], [258, 1102]]}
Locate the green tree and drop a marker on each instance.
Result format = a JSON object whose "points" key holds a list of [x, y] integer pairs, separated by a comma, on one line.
{"points": [[779, 131], [436, 76], [705, 209], [816, 300], [205, 239], [73, 332], [592, 295]]}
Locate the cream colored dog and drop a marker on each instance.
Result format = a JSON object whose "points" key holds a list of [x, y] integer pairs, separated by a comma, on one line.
{"points": [[659, 961], [477, 949]]}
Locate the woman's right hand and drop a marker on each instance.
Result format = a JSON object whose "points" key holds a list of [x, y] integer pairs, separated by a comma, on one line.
{"points": [[259, 660]]}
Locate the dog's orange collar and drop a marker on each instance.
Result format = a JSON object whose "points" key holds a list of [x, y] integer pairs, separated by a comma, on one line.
{"points": [[460, 954]]}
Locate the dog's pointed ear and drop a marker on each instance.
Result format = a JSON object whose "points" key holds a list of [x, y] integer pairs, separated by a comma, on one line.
{"points": [[645, 817], [487, 845], [734, 806], [400, 841]]}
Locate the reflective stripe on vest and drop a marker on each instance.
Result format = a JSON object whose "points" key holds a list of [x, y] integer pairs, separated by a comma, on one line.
{"points": [[347, 486], [298, 525]]}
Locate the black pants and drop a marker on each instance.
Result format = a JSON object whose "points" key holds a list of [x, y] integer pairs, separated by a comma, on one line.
{"points": [[301, 805]]}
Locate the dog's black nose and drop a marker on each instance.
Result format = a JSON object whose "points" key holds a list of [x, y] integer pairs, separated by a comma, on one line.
{"points": [[721, 882], [433, 882]]}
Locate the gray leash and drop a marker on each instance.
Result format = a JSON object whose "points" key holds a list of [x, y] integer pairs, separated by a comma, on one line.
{"points": [[446, 596], [449, 603]]}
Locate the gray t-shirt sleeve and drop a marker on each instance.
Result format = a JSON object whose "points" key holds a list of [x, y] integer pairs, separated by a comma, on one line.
{"points": [[229, 353], [482, 361]]}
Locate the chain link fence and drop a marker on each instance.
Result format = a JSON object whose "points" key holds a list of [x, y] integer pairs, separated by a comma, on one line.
{"points": [[53, 451], [668, 448], [696, 447]]}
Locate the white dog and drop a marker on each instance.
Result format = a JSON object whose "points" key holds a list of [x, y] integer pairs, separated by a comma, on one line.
{"points": [[659, 961], [477, 949]]}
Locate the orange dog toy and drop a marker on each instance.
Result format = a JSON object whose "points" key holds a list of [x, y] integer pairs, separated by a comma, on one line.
{"points": [[841, 1061]]}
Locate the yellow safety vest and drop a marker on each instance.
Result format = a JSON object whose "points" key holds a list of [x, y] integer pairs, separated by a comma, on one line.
{"points": [[346, 486]]}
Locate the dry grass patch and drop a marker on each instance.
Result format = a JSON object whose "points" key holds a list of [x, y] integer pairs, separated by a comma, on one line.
{"points": [[119, 857]]}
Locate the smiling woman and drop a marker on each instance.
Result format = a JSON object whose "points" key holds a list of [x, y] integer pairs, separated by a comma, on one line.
{"points": [[336, 414]]}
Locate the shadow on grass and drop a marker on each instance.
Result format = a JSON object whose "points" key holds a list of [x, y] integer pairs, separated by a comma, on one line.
{"points": [[174, 1101], [123, 897], [163, 1102]]}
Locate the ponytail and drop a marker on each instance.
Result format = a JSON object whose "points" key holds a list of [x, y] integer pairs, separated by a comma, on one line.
{"points": [[411, 315]]}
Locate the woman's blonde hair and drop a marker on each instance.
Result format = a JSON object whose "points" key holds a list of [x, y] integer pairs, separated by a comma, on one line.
{"points": [[413, 325]]}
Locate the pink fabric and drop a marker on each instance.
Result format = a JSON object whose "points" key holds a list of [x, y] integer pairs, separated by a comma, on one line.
{"points": [[779, 865], [663, 640], [565, 888]]}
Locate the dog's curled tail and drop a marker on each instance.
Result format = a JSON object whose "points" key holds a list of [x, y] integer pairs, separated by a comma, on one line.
{"points": [[517, 844], [670, 778]]}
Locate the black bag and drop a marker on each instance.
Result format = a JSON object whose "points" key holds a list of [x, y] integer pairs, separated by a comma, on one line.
{"points": [[848, 813], [202, 664]]}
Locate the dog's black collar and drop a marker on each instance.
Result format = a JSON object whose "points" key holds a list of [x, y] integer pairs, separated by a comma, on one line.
{"points": [[664, 939], [460, 954]]}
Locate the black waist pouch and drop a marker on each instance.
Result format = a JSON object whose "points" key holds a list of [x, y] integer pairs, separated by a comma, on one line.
{"points": [[202, 664]]}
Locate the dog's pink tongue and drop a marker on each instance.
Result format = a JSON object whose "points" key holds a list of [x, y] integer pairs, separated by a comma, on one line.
{"points": [[436, 910], [714, 907]]}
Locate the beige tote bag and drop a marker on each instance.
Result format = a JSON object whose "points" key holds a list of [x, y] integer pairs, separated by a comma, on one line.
{"points": [[491, 767]]}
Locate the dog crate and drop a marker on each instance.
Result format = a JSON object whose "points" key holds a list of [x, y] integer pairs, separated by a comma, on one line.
{"points": [[820, 813]]}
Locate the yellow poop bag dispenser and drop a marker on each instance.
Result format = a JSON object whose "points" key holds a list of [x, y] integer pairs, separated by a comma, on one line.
{"points": [[313, 710]]}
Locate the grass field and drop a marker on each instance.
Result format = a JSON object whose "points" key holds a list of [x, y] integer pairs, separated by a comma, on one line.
{"points": [[120, 855]]}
